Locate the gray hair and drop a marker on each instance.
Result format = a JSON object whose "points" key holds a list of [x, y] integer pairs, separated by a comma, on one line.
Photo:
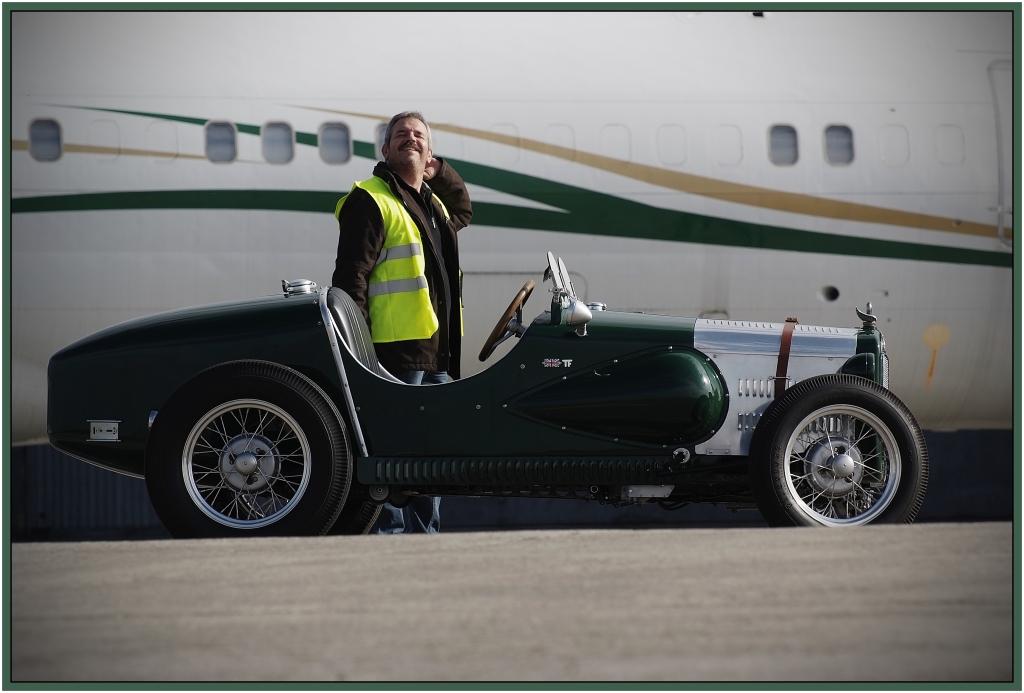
{"points": [[402, 116]]}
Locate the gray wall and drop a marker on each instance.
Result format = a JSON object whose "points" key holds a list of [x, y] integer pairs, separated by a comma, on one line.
{"points": [[55, 497]]}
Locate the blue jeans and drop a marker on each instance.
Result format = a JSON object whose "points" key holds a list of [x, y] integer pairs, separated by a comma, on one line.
{"points": [[422, 377], [423, 513], [421, 516]]}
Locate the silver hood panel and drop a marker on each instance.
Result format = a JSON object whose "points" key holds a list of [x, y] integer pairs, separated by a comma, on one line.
{"points": [[741, 337]]}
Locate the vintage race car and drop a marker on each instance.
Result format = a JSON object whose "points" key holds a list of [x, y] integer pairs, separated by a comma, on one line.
{"points": [[273, 416]]}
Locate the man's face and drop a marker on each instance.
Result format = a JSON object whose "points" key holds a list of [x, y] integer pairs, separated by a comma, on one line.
{"points": [[408, 145]]}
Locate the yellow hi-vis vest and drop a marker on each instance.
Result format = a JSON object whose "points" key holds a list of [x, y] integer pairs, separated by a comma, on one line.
{"points": [[398, 299]]}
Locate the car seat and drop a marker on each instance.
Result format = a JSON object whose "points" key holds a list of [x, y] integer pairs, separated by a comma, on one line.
{"points": [[351, 328]]}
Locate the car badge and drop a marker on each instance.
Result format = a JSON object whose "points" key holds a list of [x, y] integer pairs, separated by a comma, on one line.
{"points": [[556, 363]]}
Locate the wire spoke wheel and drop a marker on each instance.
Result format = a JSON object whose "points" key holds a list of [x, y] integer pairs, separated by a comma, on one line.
{"points": [[838, 450], [843, 465], [248, 448], [246, 464]]}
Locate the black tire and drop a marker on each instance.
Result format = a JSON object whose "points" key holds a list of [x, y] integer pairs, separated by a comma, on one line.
{"points": [[838, 450], [248, 448], [356, 518]]}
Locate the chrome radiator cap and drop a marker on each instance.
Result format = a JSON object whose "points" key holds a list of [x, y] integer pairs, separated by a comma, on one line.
{"points": [[292, 287]]}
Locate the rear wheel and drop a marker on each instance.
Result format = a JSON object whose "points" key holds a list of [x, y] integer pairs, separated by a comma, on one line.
{"points": [[835, 451], [248, 448]]}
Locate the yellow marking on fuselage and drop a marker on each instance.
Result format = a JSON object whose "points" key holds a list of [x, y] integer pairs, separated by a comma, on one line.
{"points": [[719, 189], [934, 337]]}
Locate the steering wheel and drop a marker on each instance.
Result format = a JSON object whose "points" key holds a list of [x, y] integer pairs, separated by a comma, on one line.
{"points": [[507, 325]]}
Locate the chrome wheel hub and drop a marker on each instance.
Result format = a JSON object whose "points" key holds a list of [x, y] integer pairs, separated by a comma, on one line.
{"points": [[246, 464], [843, 466], [834, 467]]}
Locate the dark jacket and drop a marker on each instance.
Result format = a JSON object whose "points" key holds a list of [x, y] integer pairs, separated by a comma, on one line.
{"points": [[361, 238]]}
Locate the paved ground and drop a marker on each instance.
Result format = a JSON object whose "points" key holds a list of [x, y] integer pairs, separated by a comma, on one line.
{"points": [[930, 602]]}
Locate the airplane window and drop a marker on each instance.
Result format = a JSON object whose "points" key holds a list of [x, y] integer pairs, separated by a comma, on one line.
{"points": [[562, 135], [335, 144], [838, 144], [949, 140], [162, 141], [728, 145], [220, 142], [278, 143], [104, 140], [44, 140], [782, 149], [894, 145], [381, 129], [616, 143], [672, 145]]}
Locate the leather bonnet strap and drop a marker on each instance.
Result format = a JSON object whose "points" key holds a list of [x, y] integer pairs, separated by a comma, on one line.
{"points": [[783, 367]]}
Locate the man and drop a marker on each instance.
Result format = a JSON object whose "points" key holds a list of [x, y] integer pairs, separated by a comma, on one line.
{"points": [[398, 258]]}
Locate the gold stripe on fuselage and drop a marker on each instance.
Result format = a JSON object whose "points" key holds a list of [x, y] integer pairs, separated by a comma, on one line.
{"points": [[22, 146], [720, 189]]}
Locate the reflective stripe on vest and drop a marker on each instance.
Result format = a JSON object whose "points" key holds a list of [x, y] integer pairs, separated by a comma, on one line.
{"points": [[400, 252], [397, 286]]}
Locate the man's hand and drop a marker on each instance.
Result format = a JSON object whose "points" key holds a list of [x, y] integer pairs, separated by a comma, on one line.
{"points": [[432, 168]]}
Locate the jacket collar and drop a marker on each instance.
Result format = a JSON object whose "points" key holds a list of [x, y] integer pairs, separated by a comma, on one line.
{"points": [[383, 171]]}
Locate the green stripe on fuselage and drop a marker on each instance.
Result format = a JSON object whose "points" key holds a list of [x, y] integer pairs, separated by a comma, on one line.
{"points": [[300, 137], [364, 149], [159, 116], [586, 211], [284, 200]]}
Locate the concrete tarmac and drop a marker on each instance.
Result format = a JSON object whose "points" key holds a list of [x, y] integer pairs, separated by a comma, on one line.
{"points": [[929, 602]]}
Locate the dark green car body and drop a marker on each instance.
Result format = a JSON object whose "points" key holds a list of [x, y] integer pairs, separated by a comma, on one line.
{"points": [[126, 372], [633, 387], [611, 406]]}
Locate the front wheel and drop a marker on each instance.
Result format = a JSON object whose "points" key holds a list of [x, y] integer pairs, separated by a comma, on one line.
{"points": [[248, 448], [836, 451]]}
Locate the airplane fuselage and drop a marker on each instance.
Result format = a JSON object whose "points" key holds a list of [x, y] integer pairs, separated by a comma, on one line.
{"points": [[701, 164]]}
